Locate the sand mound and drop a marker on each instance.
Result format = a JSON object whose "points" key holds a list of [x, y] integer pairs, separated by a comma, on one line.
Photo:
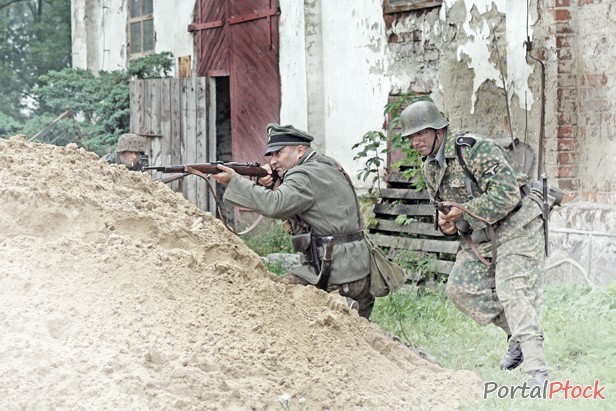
{"points": [[109, 300]]}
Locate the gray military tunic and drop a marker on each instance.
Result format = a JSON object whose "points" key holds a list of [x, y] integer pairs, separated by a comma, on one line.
{"points": [[319, 194]]}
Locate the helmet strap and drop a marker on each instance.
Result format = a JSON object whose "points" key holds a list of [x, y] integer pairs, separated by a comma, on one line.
{"points": [[432, 153]]}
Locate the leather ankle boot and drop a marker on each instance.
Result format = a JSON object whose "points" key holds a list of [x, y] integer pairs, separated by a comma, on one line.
{"points": [[512, 358]]}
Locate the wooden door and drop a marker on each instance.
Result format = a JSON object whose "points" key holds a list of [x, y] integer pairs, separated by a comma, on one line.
{"points": [[239, 38]]}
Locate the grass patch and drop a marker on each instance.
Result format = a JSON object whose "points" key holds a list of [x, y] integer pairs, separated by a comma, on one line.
{"points": [[580, 346], [276, 267], [270, 237], [579, 324]]}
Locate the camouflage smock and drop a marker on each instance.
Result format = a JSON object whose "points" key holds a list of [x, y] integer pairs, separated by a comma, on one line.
{"points": [[319, 194], [496, 194]]}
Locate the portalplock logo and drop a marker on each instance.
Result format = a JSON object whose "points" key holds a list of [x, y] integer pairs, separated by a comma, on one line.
{"points": [[549, 390]]}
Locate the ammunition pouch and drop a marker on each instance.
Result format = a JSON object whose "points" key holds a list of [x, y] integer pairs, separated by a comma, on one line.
{"points": [[481, 236]]}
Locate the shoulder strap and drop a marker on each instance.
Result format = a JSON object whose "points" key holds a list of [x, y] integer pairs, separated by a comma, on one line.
{"points": [[465, 140]]}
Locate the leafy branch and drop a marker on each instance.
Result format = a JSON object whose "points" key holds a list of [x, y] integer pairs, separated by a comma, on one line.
{"points": [[373, 148]]}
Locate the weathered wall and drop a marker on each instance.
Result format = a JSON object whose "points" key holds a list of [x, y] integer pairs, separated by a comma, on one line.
{"points": [[341, 60], [333, 71], [586, 132], [582, 136], [99, 32], [465, 54]]}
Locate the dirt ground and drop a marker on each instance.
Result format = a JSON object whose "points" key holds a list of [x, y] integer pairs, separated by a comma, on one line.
{"points": [[110, 300]]}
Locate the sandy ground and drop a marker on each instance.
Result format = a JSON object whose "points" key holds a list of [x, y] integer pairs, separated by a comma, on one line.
{"points": [[110, 300]]}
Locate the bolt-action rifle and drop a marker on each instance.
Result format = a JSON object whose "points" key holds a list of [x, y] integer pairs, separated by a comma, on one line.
{"points": [[245, 169]]}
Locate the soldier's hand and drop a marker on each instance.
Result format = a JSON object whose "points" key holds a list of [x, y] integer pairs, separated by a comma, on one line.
{"points": [[225, 175], [269, 179], [447, 227], [452, 215]]}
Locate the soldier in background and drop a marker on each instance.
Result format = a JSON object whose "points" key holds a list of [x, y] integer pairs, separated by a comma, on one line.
{"points": [[472, 171], [128, 151]]}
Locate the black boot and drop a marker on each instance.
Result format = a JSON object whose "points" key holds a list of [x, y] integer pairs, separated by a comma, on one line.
{"points": [[512, 358]]}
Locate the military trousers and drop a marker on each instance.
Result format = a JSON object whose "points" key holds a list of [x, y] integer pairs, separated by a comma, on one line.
{"points": [[357, 290], [508, 296]]}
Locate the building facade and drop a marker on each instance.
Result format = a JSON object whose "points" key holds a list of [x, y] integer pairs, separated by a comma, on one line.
{"points": [[493, 67]]}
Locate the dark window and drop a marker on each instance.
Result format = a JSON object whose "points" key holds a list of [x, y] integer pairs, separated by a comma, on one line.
{"points": [[141, 26]]}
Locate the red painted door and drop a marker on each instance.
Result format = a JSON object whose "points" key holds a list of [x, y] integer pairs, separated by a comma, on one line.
{"points": [[239, 38]]}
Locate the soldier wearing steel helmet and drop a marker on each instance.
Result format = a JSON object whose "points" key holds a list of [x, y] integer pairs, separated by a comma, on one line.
{"points": [[128, 151], [505, 294]]}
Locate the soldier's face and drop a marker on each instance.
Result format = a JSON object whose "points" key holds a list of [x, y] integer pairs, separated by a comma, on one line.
{"points": [[129, 158], [286, 158], [423, 141]]}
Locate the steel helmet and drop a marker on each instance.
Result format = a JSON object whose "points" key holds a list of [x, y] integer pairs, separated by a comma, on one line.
{"points": [[130, 142], [420, 115]]}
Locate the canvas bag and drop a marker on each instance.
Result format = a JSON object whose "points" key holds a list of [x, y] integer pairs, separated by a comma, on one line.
{"points": [[386, 277]]}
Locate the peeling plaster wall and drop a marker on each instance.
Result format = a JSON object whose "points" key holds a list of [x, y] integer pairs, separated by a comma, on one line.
{"points": [[464, 54], [343, 65], [595, 92], [482, 39], [99, 32], [466, 81]]}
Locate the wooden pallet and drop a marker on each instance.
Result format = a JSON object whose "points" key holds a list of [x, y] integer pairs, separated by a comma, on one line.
{"points": [[419, 236]]}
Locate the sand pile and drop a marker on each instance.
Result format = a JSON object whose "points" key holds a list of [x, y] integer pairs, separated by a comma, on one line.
{"points": [[110, 300]]}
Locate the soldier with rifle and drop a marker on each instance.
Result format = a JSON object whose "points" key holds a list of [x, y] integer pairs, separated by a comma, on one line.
{"points": [[129, 151], [481, 197], [318, 201]]}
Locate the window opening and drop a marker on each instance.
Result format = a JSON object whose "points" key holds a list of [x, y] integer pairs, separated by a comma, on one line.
{"points": [[141, 26]]}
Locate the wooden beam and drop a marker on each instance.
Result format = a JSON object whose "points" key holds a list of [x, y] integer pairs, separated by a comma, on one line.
{"points": [[416, 244], [415, 227], [412, 210]]}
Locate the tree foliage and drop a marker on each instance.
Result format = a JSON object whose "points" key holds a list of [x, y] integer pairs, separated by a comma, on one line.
{"points": [[101, 102], [35, 37], [37, 84]]}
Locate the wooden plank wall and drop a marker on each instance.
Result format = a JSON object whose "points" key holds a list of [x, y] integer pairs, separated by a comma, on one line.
{"points": [[418, 236], [172, 114]]}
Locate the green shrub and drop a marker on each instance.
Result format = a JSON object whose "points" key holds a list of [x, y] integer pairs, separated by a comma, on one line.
{"points": [[269, 238]]}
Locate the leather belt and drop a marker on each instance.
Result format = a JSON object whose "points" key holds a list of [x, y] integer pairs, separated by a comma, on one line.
{"points": [[340, 239]]}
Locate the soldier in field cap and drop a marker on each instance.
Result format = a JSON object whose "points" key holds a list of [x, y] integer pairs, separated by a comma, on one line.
{"points": [[317, 199]]}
